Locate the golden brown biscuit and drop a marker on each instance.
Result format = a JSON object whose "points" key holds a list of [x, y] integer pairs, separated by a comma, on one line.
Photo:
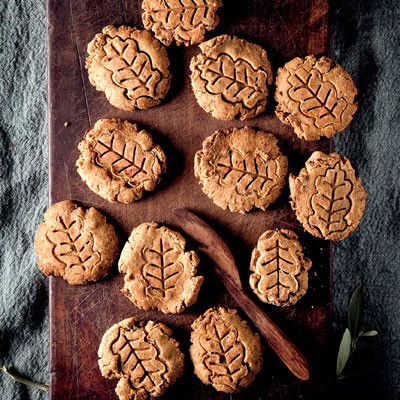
{"points": [[315, 97], [230, 78], [328, 198], [183, 21], [118, 162], [130, 66], [280, 270], [74, 243], [144, 357], [225, 351], [159, 273], [241, 169]]}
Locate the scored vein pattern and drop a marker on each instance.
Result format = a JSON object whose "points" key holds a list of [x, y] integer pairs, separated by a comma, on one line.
{"points": [[235, 80]]}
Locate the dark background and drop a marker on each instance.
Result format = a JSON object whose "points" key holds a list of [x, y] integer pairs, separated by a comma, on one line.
{"points": [[366, 40]]}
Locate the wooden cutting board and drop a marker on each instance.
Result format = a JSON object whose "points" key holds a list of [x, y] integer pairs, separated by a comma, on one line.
{"points": [[80, 315]]}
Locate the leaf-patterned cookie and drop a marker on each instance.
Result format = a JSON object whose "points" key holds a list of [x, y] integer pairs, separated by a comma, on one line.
{"points": [[328, 198], [159, 273], [145, 359], [184, 21], [118, 162], [74, 243], [130, 66], [241, 169], [225, 352], [230, 78], [280, 270], [315, 97]]}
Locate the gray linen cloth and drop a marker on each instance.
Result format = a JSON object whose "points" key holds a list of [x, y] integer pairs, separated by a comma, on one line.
{"points": [[366, 40]]}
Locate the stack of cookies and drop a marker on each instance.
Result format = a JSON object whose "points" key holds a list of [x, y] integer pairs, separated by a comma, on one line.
{"points": [[239, 169]]}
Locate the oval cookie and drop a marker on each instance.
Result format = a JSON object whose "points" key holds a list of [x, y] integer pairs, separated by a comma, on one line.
{"points": [[225, 352], [316, 97], [130, 66], [159, 273], [144, 357], [74, 243], [180, 21], [241, 169], [118, 162], [327, 197], [280, 270], [230, 78]]}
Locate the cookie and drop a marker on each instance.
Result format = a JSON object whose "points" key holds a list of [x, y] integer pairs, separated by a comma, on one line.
{"points": [[327, 197], [280, 270], [225, 351], [159, 273], [130, 66], [240, 169], [118, 162], [74, 243], [230, 78], [316, 97], [183, 21], [144, 357]]}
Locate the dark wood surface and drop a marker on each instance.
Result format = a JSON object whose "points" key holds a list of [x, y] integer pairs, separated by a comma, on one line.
{"points": [[80, 315]]}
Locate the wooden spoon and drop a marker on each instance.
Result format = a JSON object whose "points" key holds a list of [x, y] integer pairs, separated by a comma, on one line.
{"points": [[225, 268]]}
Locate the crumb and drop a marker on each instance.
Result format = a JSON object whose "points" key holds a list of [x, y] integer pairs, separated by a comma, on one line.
{"points": [[66, 124]]}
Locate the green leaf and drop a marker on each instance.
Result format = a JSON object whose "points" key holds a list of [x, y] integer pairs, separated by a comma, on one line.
{"points": [[356, 311], [344, 352], [368, 333], [27, 382]]}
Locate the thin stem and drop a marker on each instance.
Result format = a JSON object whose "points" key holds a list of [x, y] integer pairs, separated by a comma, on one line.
{"points": [[25, 381]]}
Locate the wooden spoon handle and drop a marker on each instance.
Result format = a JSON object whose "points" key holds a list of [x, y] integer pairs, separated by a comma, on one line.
{"points": [[279, 342]]}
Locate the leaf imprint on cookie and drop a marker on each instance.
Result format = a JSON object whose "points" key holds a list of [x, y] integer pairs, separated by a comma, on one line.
{"points": [[235, 80], [131, 68], [161, 266], [329, 207], [224, 355], [318, 99], [139, 359], [130, 162], [246, 172], [72, 246]]}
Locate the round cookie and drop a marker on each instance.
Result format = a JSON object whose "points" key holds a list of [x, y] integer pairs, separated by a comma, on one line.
{"points": [[74, 243], [280, 270], [327, 197], [316, 97], [240, 169], [144, 357], [130, 66], [159, 273], [225, 352], [118, 162], [230, 78], [185, 22]]}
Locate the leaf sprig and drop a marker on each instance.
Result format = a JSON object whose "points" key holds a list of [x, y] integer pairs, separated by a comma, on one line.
{"points": [[353, 332], [27, 382]]}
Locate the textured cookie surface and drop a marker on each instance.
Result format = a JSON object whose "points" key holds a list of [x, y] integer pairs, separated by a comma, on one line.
{"points": [[241, 169], [184, 21], [130, 66], [225, 351], [280, 270], [327, 197], [118, 162], [74, 243], [230, 78], [315, 97], [144, 357], [159, 273]]}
